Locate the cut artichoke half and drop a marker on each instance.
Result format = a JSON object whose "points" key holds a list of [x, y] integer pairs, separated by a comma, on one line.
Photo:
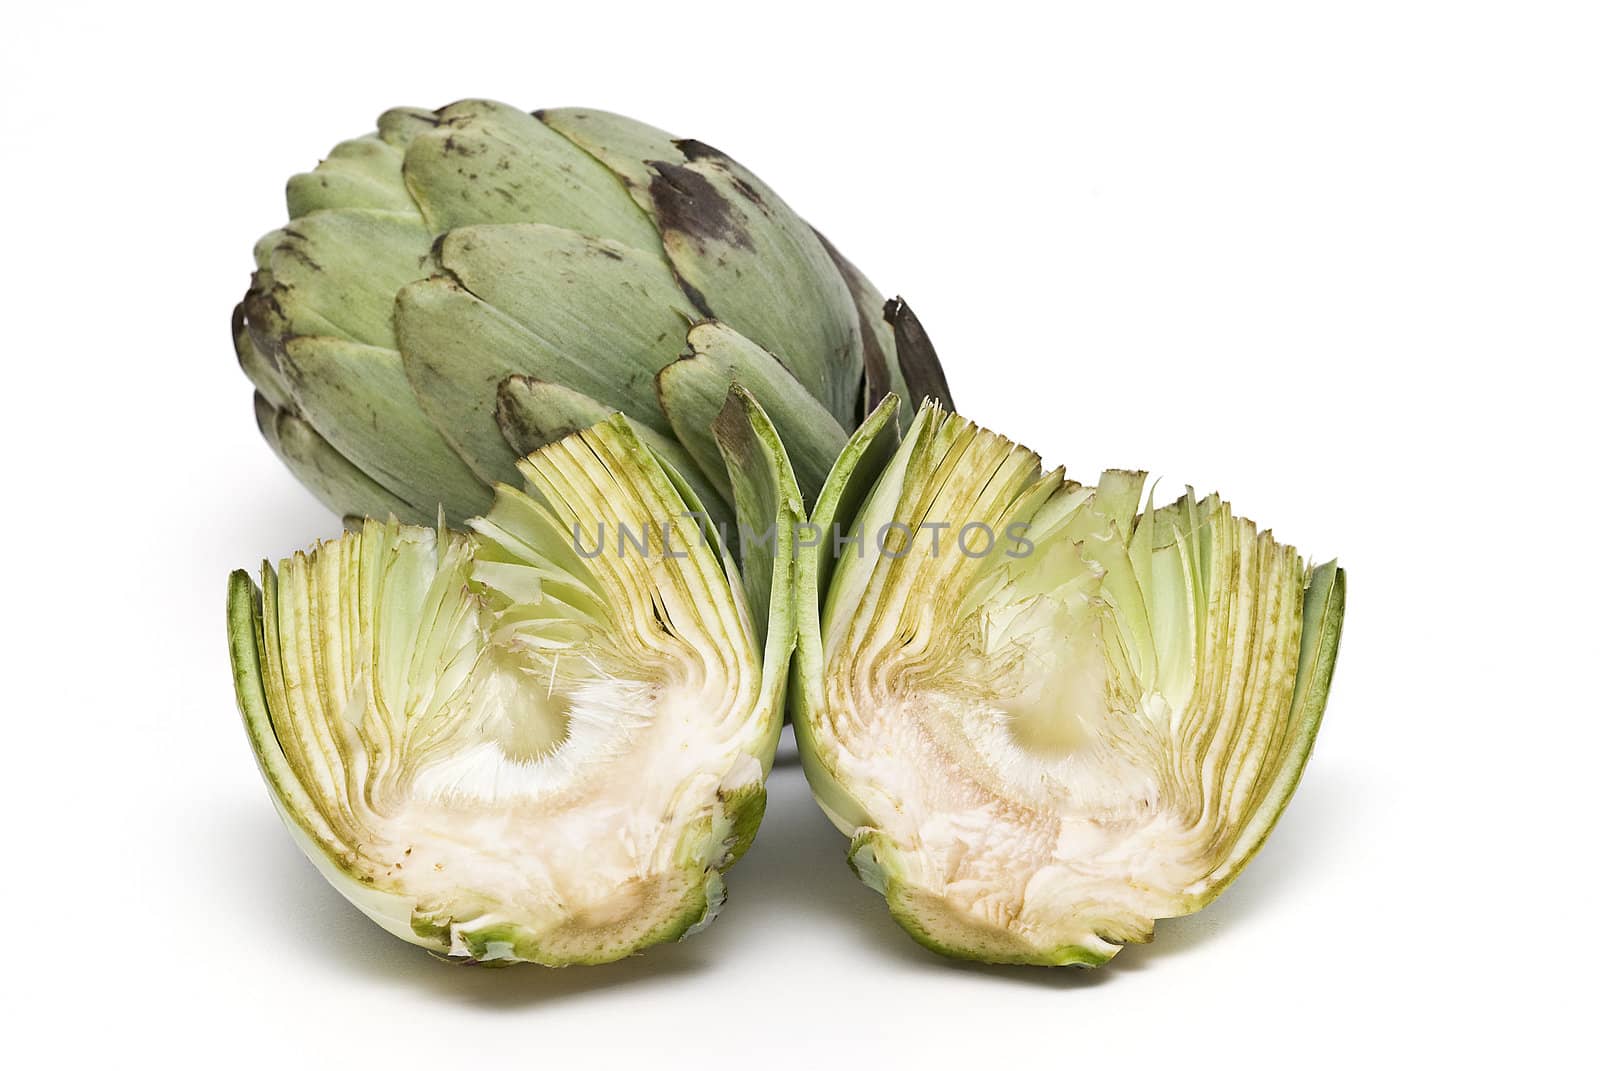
{"points": [[543, 739], [1044, 717]]}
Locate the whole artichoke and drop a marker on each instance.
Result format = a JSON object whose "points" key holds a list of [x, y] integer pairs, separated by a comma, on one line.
{"points": [[466, 285]]}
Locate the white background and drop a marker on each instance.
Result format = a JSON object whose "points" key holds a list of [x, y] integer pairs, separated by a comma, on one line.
{"points": [[1340, 263]]}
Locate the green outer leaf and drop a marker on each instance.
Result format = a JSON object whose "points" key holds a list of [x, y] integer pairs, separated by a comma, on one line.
{"points": [[366, 411], [741, 252], [855, 473], [1322, 621], [486, 162], [621, 144], [258, 364], [768, 505], [692, 391], [539, 302], [456, 351], [361, 173], [533, 413], [737, 245], [328, 474], [400, 126], [306, 826], [336, 273], [765, 496], [245, 651], [600, 317], [746, 808], [853, 570]]}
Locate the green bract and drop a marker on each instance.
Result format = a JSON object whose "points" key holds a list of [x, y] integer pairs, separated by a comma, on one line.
{"points": [[1043, 738], [466, 285], [544, 738]]}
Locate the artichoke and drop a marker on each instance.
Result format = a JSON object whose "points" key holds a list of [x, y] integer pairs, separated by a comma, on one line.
{"points": [[545, 737], [467, 285], [1045, 717]]}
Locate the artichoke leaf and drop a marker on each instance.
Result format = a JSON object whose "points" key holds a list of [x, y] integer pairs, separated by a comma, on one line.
{"points": [[734, 244], [693, 389], [485, 162], [400, 126], [865, 457], [603, 317], [1322, 617], [622, 144], [533, 413], [919, 364], [259, 365], [335, 273], [540, 302], [456, 351], [365, 409], [770, 510], [360, 173], [330, 476]]}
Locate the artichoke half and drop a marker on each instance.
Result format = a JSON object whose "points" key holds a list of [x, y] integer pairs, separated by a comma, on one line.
{"points": [[464, 286], [543, 738], [1044, 716]]}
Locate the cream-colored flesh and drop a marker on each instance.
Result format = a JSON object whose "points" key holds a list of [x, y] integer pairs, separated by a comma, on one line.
{"points": [[581, 834], [1056, 847]]}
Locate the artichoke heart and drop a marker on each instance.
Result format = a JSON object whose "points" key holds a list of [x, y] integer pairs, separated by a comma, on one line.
{"points": [[1046, 716], [543, 738], [465, 285]]}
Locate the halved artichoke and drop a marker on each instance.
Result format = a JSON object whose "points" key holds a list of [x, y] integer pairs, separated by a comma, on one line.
{"points": [[1044, 717], [466, 285], [545, 738]]}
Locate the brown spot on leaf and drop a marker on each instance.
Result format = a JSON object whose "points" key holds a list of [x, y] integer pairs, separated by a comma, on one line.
{"points": [[453, 147], [524, 431], [264, 318], [687, 202], [690, 291], [436, 250], [748, 191], [293, 249], [698, 151]]}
